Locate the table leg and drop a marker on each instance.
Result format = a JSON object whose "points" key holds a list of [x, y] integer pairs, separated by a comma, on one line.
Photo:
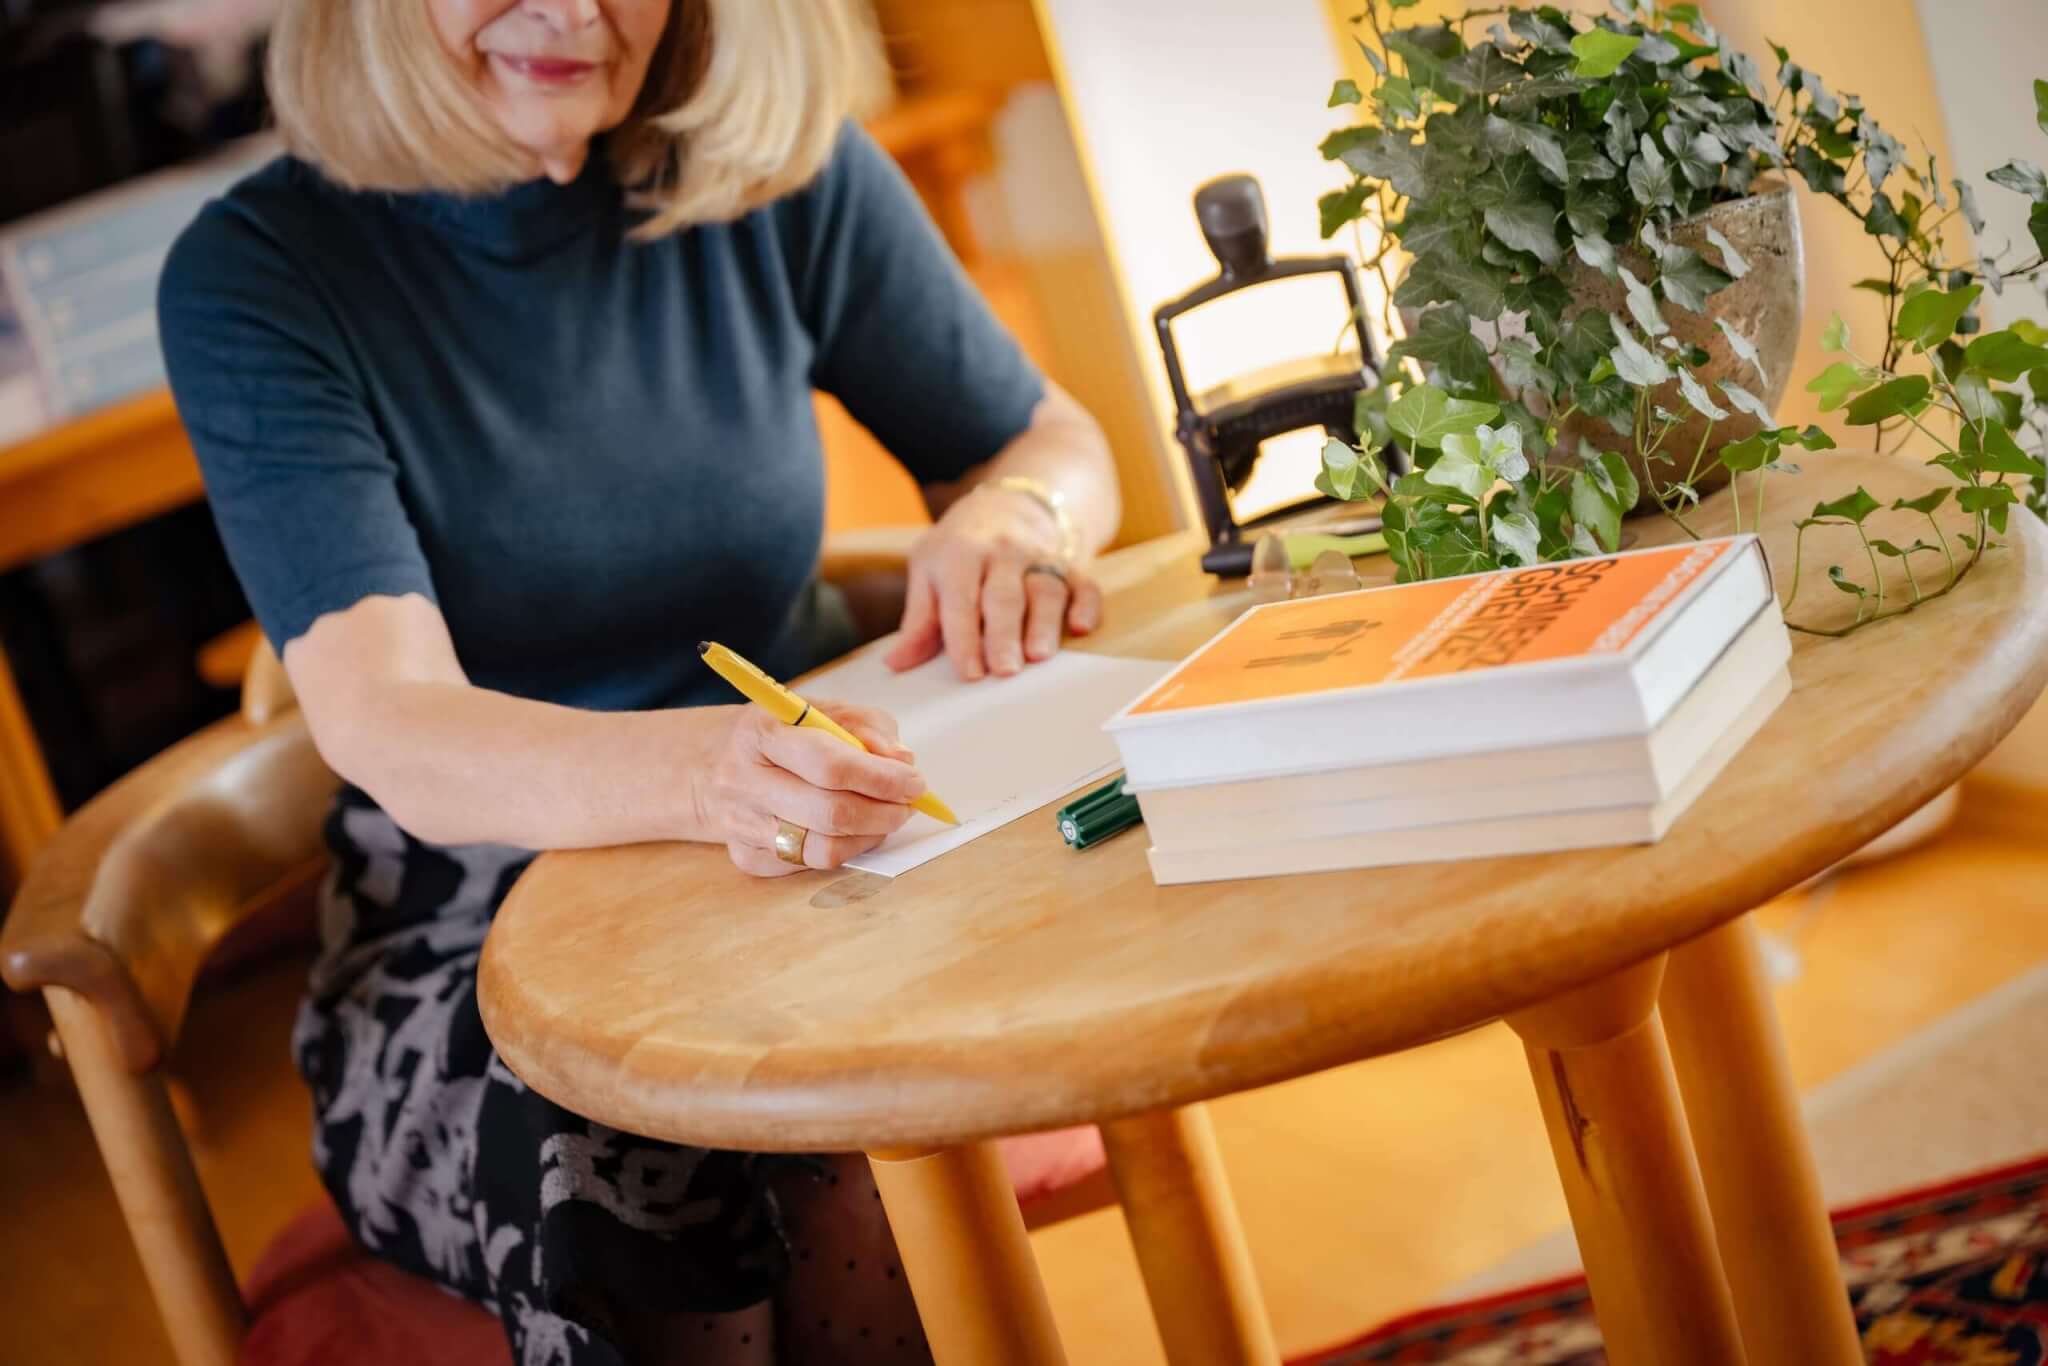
{"points": [[1762, 1184], [1198, 1272], [961, 1236], [1610, 1103]]}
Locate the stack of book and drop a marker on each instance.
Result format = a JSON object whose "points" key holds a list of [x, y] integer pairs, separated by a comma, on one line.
{"points": [[1556, 707]]}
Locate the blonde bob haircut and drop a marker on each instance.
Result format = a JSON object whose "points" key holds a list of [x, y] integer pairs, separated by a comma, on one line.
{"points": [[742, 103]]}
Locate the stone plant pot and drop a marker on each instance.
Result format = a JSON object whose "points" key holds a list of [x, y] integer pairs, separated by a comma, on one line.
{"points": [[1765, 305]]}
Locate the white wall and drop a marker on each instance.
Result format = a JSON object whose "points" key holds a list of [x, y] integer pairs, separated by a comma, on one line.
{"points": [[1165, 94], [1986, 55]]}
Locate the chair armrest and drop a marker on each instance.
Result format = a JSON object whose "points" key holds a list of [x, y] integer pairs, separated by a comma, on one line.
{"points": [[871, 566], [126, 901]]}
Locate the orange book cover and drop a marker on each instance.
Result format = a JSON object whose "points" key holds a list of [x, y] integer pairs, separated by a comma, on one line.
{"points": [[1444, 626]]}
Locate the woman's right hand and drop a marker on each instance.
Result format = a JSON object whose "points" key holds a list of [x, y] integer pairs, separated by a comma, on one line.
{"points": [[848, 801]]}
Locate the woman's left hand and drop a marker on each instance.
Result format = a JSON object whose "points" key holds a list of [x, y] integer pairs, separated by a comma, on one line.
{"points": [[988, 587]]}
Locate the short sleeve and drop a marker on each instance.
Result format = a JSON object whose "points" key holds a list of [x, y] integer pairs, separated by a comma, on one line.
{"points": [[903, 338], [302, 487]]}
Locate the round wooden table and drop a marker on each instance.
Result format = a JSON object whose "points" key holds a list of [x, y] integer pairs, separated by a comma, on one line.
{"points": [[1013, 985]]}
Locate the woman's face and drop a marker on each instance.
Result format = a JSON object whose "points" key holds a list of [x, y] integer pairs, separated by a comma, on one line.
{"points": [[554, 73]]}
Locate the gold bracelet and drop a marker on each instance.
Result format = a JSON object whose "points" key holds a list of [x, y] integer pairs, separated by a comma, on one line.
{"points": [[1049, 498]]}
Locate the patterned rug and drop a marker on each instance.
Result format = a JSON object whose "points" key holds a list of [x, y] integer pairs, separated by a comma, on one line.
{"points": [[1951, 1275]]}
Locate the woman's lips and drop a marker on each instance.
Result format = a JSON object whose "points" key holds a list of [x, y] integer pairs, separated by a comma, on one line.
{"points": [[548, 70]]}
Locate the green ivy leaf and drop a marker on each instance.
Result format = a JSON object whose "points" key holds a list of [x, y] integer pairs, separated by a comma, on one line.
{"points": [[1882, 153], [1633, 361], [1583, 160], [1992, 450], [1925, 503], [1813, 439], [1542, 301], [1399, 160], [1702, 402], [1975, 397], [1399, 97], [1444, 339], [1518, 533], [1929, 319], [1455, 469], [1482, 70], [1351, 474], [1731, 260], [1748, 402], [1845, 583], [1750, 453], [2023, 176], [1883, 219], [1527, 225], [1698, 154], [1885, 288], [2004, 355], [1521, 367], [1590, 211], [1451, 551], [1600, 51], [1649, 177], [1884, 547], [1743, 347], [1582, 345], [1596, 507], [1344, 92], [2041, 104], [1687, 279], [1426, 414], [1451, 277], [1596, 252], [1642, 304], [1547, 149], [1426, 49], [1852, 507], [1339, 207], [1840, 380], [1835, 336], [1821, 175], [1992, 500], [1966, 201], [1891, 399]]}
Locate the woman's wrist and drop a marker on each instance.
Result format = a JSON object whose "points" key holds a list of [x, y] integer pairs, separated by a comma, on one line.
{"points": [[1049, 501], [699, 740], [992, 512]]}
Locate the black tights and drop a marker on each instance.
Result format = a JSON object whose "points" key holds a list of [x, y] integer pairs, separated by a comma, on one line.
{"points": [[846, 1303]]}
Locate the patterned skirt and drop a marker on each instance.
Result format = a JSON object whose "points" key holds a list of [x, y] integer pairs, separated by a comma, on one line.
{"points": [[443, 1162]]}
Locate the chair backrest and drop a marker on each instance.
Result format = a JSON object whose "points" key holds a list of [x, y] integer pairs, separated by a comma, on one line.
{"points": [[113, 923], [126, 901]]}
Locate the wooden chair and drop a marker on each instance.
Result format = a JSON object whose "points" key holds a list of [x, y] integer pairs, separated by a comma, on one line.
{"points": [[122, 909]]}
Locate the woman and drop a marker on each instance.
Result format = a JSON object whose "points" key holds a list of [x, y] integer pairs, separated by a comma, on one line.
{"points": [[501, 386]]}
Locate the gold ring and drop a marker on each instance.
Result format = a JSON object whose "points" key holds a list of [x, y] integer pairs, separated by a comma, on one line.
{"points": [[789, 842], [1058, 571]]}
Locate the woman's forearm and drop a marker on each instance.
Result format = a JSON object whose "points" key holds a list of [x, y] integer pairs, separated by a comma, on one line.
{"points": [[456, 764], [1065, 449]]}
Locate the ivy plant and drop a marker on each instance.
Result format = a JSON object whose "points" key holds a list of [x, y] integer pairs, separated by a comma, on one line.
{"points": [[1502, 164], [1505, 164], [1978, 397]]}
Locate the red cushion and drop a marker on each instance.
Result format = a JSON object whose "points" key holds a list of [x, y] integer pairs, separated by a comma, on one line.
{"points": [[1042, 1164], [317, 1299]]}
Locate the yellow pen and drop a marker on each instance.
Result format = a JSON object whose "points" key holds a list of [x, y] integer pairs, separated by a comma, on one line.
{"points": [[787, 707]]}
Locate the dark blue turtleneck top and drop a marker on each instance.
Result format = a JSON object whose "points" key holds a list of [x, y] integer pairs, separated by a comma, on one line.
{"points": [[590, 452]]}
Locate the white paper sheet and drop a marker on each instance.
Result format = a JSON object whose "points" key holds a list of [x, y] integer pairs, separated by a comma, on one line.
{"points": [[993, 750]]}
